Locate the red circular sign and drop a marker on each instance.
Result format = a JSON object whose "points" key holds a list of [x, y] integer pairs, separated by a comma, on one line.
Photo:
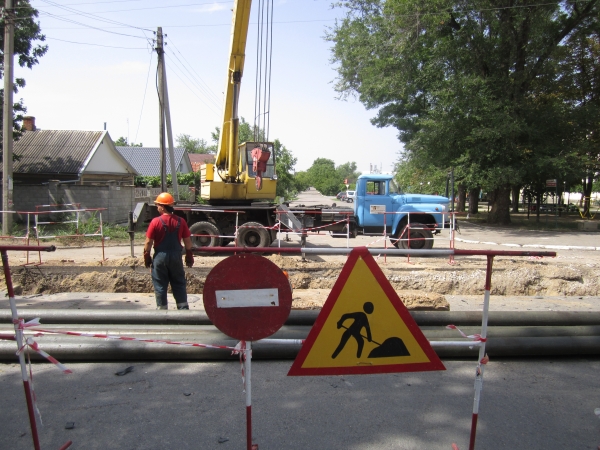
{"points": [[247, 297]]}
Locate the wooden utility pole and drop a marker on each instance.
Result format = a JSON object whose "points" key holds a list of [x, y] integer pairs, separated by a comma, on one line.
{"points": [[167, 115], [161, 112], [7, 119]]}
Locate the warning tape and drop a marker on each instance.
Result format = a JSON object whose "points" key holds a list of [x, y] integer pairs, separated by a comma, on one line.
{"points": [[475, 337], [129, 338]]}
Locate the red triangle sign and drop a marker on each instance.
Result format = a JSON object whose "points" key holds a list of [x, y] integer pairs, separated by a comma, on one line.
{"points": [[364, 328]]}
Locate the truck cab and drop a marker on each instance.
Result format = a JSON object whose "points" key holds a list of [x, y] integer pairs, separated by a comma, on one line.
{"points": [[410, 219]]}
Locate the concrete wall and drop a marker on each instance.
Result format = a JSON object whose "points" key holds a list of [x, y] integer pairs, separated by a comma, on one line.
{"points": [[118, 200]]}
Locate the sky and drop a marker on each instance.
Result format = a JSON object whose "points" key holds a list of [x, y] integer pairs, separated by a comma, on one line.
{"points": [[101, 68]]}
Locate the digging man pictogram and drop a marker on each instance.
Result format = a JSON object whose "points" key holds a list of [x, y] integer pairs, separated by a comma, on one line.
{"points": [[391, 347], [360, 321]]}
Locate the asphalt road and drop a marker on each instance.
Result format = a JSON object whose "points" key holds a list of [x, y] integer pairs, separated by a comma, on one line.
{"points": [[525, 404]]}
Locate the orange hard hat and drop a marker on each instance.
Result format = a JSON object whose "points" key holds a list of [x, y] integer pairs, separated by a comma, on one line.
{"points": [[165, 198]]}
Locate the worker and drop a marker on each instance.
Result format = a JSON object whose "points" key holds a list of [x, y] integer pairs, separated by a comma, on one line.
{"points": [[166, 232]]}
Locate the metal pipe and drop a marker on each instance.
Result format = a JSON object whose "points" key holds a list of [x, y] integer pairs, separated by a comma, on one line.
{"points": [[89, 349], [373, 251], [304, 317]]}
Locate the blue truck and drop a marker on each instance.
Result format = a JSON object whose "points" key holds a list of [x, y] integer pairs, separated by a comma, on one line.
{"points": [[415, 219]]}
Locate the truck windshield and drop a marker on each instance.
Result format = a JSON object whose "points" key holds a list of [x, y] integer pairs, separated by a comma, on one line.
{"points": [[394, 189]]}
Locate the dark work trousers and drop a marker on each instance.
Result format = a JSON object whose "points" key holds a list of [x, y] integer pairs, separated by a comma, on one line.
{"points": [[167, 267]]}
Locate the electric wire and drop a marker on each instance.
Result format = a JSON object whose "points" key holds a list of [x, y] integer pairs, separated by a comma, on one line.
{"points": [[209, 90], [95, 45], [89, 16], [201, 86], [192, 90], [170, 6], [95, 28], [144, 98]]}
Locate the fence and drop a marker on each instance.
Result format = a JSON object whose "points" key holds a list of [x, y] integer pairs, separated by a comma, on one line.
{"points": [[243, 348]]}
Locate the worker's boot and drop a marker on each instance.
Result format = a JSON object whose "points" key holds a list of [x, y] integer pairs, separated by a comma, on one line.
{"points": [[161, 307], [183, 305]]}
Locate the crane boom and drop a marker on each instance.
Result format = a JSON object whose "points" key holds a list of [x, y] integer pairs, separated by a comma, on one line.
{"points": [[245, 172], [228, 139]]}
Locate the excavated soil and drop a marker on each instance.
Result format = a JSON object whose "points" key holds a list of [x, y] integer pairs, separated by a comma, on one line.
{"points": [[421, 283]]}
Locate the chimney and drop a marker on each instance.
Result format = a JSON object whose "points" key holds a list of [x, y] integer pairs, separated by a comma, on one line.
{"points": [[29, 123]]}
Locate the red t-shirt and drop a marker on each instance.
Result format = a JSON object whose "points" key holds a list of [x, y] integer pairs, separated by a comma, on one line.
{"points": [[156, 231]]}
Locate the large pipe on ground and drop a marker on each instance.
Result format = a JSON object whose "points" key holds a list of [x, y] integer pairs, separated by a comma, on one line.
{"points": [[304, 317], [502, 341]]}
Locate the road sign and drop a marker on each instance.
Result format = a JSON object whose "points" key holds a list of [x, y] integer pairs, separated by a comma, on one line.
{"points": [[247, 297], [551, 183], [364, 328]]}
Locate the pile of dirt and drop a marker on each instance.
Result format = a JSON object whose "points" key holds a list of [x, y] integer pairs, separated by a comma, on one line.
{"points": [[421, 284]]}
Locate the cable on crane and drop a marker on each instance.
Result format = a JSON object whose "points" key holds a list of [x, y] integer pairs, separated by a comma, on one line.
{"points": [[264, 56]]}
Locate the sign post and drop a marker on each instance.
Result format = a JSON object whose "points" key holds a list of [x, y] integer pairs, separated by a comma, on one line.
{"points": [[248, 298]]}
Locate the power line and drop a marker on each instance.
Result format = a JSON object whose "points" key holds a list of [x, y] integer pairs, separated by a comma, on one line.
{"points": [[144, 98], [93, 27], [170, 6], [209, 90], [203, 90], [96, 45], [90, 16], [193, 92]]}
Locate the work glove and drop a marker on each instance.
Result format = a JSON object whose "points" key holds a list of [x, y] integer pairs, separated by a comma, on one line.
{"points": [[189, 258], [147, 260]]}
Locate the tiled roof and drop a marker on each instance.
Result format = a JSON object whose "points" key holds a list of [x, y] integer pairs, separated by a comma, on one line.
{"points": [[60, 151], [146, 160], [197, 159]]}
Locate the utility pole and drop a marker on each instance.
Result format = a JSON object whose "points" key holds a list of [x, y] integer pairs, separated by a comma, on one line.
{"points": [[7, 122], [161, 101], [167, 115]]}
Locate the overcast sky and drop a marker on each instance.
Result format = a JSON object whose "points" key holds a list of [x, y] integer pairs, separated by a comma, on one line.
{"points": [[107, 73]]}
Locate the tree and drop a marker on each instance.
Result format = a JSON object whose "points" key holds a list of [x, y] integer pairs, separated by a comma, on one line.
{"points": [[324, 177], [347, 171], [193, 145], [28, 48], [464, 86], [122, 142], [284, 167]]}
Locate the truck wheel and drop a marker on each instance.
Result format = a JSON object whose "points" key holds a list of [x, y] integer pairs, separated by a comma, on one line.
{"points": [[209, 235], [253, 234], [421, 238]]}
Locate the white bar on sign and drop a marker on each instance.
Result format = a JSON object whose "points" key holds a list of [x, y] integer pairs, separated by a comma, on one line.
{"points": [[245, 298]]}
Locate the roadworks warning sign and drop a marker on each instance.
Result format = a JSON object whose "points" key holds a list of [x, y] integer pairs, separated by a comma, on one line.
{"points": [[364, 328]]}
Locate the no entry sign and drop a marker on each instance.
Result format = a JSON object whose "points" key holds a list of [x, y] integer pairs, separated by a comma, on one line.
{"points": [[247, 297]]}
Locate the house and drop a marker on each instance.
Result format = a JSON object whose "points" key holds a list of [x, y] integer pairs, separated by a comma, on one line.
{"points": [[81, 169], [197, 159], [68, 155], [146, 160]]}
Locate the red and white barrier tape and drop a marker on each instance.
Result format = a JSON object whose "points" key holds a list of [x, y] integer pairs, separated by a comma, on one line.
{"points": [[475, 337], [30, 343], [128, 338]]}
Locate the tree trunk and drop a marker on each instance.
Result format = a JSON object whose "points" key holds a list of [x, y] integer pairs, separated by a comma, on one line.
{"points": [[538, 205], [474, 200], [587, 196], [515, 198], [500, 212], [462, 193]]}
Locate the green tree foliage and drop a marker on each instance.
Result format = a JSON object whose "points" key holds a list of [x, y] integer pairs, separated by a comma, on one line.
{"points": [[347, 171], [28, 48], [284, 167], [194, 145], [324, 176], [467, 86], [302, 181], [420, 179], [183, 179], [122, 142]]}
